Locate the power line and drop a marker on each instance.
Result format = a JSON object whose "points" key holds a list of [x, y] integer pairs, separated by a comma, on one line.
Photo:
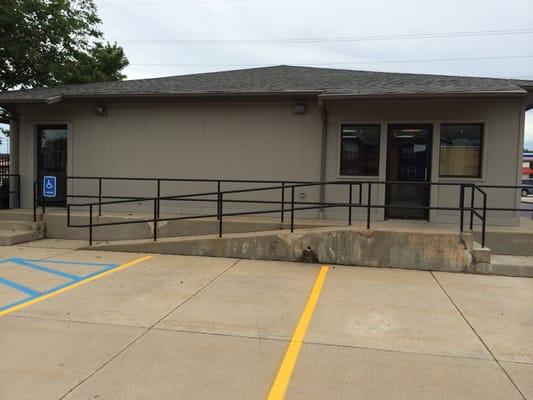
{"points": [[341, 63], [328, 39]]}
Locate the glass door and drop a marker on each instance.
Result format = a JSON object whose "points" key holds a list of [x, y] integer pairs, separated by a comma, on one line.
{"points": [[408, 160], [52, 160]]}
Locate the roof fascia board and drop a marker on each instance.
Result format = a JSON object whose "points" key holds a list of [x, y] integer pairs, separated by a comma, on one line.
{"points": [[196, 95], [163, 97], [54, 99], [392, 96]]}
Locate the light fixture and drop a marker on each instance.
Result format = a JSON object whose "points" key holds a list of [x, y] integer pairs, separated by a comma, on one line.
{"points": [[100, 110], [299, 109]]}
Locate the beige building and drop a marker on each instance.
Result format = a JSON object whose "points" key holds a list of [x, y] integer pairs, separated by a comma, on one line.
{"points": [[284, 124]]}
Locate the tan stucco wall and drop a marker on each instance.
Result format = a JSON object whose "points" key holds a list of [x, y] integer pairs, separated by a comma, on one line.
{"points": [[231, 140], [502, 145], [261, 140]]}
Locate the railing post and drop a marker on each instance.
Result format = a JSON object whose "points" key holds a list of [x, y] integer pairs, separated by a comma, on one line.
{"points": [[220, 207], [292, 209], [43, 199], [35, 201], [68, 215], [218, 199], [350, 206], [90, 224], [18, 191], [282, 201], [158, 198], [484, 220], [155, 218], [369, 201], [99, 197], [472, 203], [462, 206]]}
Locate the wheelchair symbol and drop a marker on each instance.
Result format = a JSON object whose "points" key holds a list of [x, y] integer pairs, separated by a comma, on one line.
{"points": [[50, 187]]}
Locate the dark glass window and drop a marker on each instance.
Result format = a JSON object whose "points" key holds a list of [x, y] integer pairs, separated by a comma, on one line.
{"points": [[53, 147], [460, 150], [360, 150]]}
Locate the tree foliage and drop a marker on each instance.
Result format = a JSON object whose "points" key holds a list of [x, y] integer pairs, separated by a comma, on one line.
{"points": [[52, 42]]}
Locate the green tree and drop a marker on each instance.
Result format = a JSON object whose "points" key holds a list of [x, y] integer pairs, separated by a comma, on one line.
{"points": [[53, 42]]}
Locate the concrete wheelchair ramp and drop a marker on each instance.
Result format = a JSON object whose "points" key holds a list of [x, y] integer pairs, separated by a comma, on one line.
{"points": [[423, 250]]}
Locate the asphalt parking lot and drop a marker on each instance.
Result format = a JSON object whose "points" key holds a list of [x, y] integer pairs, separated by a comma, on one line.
{"points": [[101, 325]]}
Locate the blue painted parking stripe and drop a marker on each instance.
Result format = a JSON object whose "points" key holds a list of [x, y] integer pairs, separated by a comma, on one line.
{"points": [[31, 263], [28, 264], [34, 294], [16, 303], [46, 260], [19, 287], [10, 308]]}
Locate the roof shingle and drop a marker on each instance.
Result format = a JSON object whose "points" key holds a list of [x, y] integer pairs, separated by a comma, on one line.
{"points": [[280, 80]]}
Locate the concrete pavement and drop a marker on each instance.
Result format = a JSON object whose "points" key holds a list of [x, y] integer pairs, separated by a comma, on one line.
{"points": [[175, 327]]}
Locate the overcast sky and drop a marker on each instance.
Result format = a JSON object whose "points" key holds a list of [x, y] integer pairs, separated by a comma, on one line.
{"points": [[149, 31]]}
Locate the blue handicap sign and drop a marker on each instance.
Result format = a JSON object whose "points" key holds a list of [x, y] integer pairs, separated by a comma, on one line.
{"points": [[49, 186]]}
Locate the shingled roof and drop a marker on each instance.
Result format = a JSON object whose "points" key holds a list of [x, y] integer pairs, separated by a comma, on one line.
{"points": [[278, 80]]}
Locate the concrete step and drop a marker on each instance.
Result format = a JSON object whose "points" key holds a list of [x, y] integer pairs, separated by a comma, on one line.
{"points": [[9, 238], [14, 232], [521, 266], [25, 226], [17, 215]]}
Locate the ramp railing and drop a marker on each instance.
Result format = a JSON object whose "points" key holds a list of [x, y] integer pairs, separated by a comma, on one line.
{"points": [[283, 204]]}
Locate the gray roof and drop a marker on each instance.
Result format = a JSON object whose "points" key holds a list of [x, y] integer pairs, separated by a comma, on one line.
{"points": [[278, 80]]}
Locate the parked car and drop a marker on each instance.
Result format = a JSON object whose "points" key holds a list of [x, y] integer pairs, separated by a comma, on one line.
{"points": [[527, 187]]}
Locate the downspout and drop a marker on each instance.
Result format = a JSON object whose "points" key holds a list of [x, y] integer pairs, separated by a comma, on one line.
{"points": [[323, 153], [14, 137], [520, 150]]}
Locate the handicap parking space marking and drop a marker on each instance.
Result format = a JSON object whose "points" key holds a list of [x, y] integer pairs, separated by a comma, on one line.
{"points": [[54, 261], [25, 263], [73, 280], [19, 287]]}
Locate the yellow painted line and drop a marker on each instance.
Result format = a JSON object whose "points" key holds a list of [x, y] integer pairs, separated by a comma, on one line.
{"points": [[73, 286], [281, 382]]}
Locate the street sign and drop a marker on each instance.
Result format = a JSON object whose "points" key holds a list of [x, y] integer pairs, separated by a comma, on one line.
{"points": [[49, 186]]}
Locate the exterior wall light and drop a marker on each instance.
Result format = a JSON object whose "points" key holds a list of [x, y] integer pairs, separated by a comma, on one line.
{"points": [[299, 109], [100, 110]]}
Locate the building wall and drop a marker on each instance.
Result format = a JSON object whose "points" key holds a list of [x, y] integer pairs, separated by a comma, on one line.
{"points": [[204, 140], [262, 140], [502, 147]]}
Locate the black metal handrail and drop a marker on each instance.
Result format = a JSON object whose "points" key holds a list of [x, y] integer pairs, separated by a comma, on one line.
{"points": [[284, 206], [293, 205]]}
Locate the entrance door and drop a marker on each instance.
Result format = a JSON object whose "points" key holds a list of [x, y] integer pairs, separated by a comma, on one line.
{"points": [[52, 160], [409, 160]]}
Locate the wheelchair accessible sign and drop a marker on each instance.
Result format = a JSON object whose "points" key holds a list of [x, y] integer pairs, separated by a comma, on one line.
{"points": [[49, 186]]}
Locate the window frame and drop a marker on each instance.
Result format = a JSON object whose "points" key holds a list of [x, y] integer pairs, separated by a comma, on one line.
{"points": [[483, 126], [375, 124]]}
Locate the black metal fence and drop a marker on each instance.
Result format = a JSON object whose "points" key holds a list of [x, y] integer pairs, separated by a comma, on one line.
{"points": [[285, 205], [9, 190], [4, 163]]}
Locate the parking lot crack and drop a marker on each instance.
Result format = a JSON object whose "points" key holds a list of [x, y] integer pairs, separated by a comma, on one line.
{"points": [[143, 333], [477, 335]]}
